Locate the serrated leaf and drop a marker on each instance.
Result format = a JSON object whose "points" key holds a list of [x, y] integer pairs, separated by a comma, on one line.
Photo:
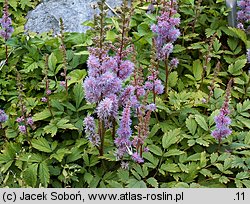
{"points": [[52, 61], [41, 144], [170, 138], [59, 155], [240, 34], [44, 175], [30, 175], [191, 125], [114, 184], [154, 130], [155, 150], [170, 168], [76, 76], [235, 69], [173, 152], [78, 94], [223, 179], [201, 122], [206, 172], [42, 115], [183, 167], [173, 78], [242, 175], [148, 156], [123, 175], [153, 182], [197, 69], [213, 157], [133, 183], [63, 124]]}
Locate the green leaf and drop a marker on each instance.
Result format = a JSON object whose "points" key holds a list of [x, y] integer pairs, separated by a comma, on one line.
{"points": [[235, 69], [155, 149], [206, 172], [44, 175], [114, 184], [170, 138], [154, 161], [41, 144], [173, 78], [60, 153], [13, 4], [178, 48], [42, 115], [76, 76], [78, 94], [197, 70], [153, 182], [216, 45], [223, 179], [191, 125], [111, 35], [51, 129], [170, 168], [63, 124], [30, 175], [52, 62], [154, 130], [242, 175], [246, 122], [134, 183], [201, 122], [173, 152], [240, 34], [24, 3], [123, 175]]}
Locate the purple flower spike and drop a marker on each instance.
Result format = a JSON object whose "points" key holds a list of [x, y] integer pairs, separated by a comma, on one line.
{"points": [[222, 120], [243, 15], [3, 116], [124, 132], [30, 121], [6, 23], [22, 129], [137, 158], [44, 99]]}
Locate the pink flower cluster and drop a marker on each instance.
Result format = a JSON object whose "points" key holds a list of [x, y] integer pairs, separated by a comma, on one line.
{"points": [[222, 121], [243, 15], [6, 23], [166, 30]]}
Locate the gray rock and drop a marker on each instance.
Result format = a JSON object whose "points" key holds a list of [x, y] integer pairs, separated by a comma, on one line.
{"points": [[46, 15]]}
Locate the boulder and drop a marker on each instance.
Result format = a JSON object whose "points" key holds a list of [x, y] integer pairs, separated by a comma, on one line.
{"points": [[46, 15]]}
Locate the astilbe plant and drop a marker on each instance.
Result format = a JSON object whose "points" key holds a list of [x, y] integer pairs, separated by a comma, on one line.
{"points": [[104, 82], [7, 28], [167, 32], [222, 120], [63, 83], [105, 86], [25, 120]]}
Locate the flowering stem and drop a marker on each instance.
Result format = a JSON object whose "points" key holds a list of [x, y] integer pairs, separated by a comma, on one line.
{"points": [[219, 146], [6, 54], [113, 128], [102, 134], [166, 80]]}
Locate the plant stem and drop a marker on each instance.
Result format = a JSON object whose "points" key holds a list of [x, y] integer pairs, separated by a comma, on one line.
{"points": [[166, 80], [6, 54]]}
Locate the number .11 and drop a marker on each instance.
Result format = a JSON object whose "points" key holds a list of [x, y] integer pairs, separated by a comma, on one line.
{"points": [[240, 196]]}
